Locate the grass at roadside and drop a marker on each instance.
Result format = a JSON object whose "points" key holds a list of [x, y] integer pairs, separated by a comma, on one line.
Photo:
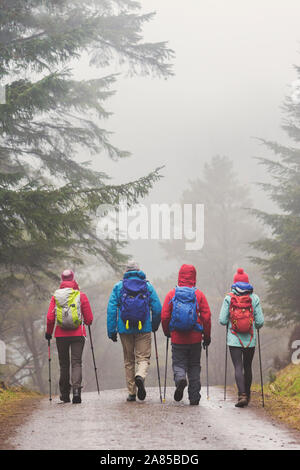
{"points": [[16, 403], [11, 397], [282, 396]]}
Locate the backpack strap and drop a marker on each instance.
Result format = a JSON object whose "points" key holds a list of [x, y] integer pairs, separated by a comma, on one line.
{"points": [[197, 304], [172, 300], [241, 343], [200, 326]]}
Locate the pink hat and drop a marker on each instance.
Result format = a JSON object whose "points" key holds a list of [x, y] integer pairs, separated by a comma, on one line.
{"points": [[67, 275], [241, 276]]}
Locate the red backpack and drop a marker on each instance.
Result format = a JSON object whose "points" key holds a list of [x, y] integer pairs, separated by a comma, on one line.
{"points": [[241, 316]]}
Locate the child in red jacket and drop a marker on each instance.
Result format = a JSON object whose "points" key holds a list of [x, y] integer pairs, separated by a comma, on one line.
{"points": [[186, 345], [70, 333]]}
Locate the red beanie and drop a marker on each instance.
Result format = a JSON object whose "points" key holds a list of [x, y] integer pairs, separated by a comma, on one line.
{"points": [[67, 275], [241, 276]]}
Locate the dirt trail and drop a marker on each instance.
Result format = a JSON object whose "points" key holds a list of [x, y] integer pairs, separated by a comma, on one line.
{"points": [[109, 422]]}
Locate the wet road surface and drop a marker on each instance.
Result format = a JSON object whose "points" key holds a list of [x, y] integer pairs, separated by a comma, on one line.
{"points": [[108, 422]]}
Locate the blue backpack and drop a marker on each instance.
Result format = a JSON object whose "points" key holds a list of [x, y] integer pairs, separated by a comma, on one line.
{"points": [[134, 303], [184, 312]]}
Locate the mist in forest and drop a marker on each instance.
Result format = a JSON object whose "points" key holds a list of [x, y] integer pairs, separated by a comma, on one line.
{"points": [[232, 71]]}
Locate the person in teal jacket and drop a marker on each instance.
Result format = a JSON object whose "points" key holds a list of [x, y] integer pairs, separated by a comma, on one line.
{"points": [[135, 339], [242, 345]]}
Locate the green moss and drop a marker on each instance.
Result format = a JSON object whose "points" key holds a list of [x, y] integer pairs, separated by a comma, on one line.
{"points": [[282, 396], [287, 382], [295, 388], [14, 394], [16, 403]]}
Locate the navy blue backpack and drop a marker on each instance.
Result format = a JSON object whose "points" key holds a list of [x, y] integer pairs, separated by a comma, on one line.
{"points": [[134, 303], [184, 312]]}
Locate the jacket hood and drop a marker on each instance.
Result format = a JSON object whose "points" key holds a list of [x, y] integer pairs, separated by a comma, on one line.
{"points": [[69, 284], [139, 274], [187, 275]]}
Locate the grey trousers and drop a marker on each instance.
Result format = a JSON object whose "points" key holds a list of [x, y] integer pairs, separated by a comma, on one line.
{"points": [[64, 345], [186, 364]]}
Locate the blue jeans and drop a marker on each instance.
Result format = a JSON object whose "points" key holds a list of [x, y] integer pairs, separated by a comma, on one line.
{"points": [[186, 365]]}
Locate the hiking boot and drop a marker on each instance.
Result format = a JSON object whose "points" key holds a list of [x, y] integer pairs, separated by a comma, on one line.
{"points": [[139, 382], [65, 398], [179, 389], [131, 397], [248, 398], [76, 395], [194, 402], [242, 401]]}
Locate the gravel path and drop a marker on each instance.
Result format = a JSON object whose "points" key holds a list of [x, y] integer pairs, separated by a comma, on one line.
{"points": [[109, 422]]}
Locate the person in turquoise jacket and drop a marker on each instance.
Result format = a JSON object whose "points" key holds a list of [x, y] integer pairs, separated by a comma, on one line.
{"points": [[135, 339], [242, 345]]}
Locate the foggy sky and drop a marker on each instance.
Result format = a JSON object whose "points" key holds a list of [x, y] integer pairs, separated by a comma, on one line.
{"points": [[233, 68]]}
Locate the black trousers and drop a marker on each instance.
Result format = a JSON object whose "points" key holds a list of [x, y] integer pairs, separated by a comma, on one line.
{"points": [[65, 345], [242, 362], [186, 364]]}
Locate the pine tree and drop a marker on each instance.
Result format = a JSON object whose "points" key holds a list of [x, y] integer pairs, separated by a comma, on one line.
{"points": [[48, 198], [280, 259], [228, 229]]}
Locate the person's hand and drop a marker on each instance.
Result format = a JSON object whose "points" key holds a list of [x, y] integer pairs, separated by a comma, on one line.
{"points": [[154, 329], [48, 336], [114, 337], [206, 342]]}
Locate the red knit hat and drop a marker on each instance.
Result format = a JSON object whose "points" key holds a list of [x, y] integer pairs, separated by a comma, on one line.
{"points": [[67, 275], [241, 276]]}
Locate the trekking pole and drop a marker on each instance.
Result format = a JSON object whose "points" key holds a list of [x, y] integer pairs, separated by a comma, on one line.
{"points": [[226, 352], [158, 373], [92, 348], [166, 368], [49, 358], [207, 382], [261, 376]]}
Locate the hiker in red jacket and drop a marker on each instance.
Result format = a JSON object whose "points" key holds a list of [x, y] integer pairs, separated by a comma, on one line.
{"points": [[70, 308], [180, 305]]}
